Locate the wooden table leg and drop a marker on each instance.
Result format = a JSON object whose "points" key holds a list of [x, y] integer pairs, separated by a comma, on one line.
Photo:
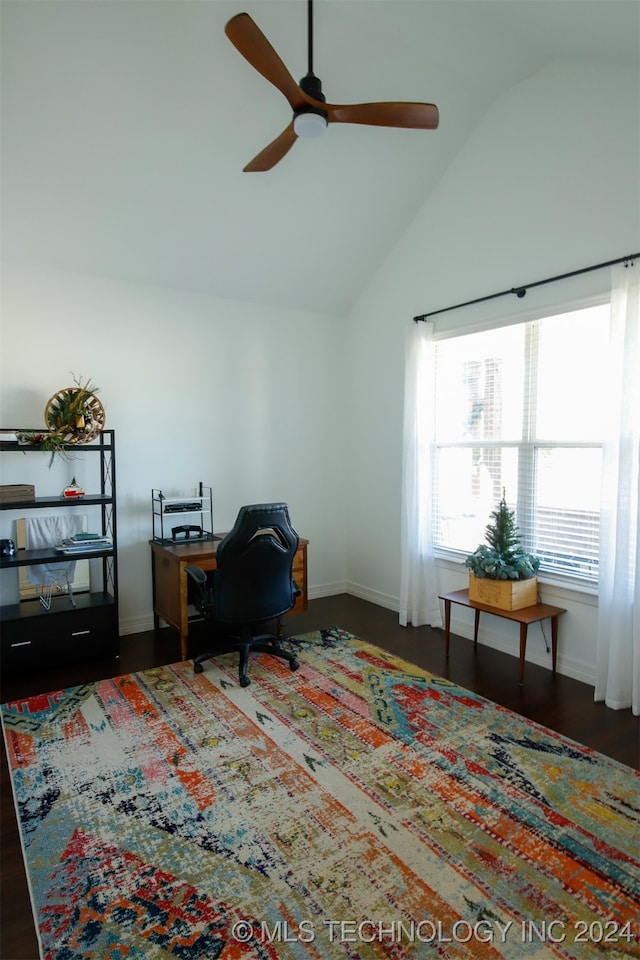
{"points": [[554, 642], [476, 624], [523, 648], [447, 626]]}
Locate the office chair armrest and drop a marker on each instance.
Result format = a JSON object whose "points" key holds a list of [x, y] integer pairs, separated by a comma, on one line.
{"points": [[199, 592], [197, 574]]}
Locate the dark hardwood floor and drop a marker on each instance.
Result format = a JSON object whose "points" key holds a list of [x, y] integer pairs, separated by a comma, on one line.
{"points": [[563, 704]]}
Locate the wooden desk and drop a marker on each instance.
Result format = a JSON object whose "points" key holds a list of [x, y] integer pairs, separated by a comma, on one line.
{"points": [[525, 616], [170, 580]]}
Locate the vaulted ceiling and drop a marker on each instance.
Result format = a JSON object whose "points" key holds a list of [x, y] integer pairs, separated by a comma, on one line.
{"points": [[126, 124]]}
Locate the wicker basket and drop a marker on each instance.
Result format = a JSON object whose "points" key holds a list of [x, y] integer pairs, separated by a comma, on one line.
{"points": [[86, 427]]}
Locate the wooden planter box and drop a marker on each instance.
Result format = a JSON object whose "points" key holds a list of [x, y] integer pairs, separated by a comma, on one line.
{"points": [[503, 594]]}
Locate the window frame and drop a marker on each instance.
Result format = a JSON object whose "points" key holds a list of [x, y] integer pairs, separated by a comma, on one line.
{"points": [[527, 446]]}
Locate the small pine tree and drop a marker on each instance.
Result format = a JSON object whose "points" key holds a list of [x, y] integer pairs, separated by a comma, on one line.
{"points": [[503, 535], [502, 557]]}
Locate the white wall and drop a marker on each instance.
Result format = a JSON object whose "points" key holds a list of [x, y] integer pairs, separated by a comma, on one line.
{"points": [[246, 398], [265, 403], [549, 182]]}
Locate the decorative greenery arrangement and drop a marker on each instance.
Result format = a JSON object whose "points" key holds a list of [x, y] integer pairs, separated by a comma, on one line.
{"points": [[73, 415], [502, 557], [53, 442]]}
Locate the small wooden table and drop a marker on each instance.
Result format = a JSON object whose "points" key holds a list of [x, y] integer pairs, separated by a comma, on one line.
{"points": [[525, 616], [168, 562]]}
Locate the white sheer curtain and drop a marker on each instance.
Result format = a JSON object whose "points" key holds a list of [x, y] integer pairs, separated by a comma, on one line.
{"points": [[419, 602], [618, 651]]}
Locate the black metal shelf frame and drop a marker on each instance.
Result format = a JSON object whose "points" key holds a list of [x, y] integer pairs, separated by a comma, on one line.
{"points": [[96, 606]]}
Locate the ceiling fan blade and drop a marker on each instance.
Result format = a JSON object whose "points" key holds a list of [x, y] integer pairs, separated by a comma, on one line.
{"points": [[250, 41], [422, 116], [272, 154]]}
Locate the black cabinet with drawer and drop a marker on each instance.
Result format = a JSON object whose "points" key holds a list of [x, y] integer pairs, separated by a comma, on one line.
{"points": [[63, 634]]}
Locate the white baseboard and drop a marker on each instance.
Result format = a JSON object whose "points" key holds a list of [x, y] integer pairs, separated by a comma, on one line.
{"points": [[136, 625], [373, 596], [326, 590]]}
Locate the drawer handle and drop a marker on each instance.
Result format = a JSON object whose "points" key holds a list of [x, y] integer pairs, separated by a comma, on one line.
{"points": [[80, 633], [22, 643]]}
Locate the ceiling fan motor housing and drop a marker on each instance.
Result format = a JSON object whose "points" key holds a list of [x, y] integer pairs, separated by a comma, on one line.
{"points": [[312, 86]]}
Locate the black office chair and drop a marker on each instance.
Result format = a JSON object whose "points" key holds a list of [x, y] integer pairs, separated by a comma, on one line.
{"points": [[252, 584]]}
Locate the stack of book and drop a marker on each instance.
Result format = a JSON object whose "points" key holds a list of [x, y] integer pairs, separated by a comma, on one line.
{"points": [[84, 543], [17, 492]]}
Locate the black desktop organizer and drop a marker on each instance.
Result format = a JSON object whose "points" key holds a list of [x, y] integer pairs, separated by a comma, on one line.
{"points": [[182, 519]]}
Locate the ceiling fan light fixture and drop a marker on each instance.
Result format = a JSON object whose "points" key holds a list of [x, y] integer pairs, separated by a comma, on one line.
{"points": [[309, 124]]}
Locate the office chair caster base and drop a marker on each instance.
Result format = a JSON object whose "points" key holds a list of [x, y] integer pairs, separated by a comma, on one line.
{"points": [[244, 681], [198, 668], [294, 664]]}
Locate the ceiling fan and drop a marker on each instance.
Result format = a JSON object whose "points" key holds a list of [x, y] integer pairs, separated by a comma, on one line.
{"points": [[311, 112]]}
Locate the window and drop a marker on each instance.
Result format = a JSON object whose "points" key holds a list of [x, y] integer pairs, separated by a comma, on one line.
{"points": [[521, 409]]}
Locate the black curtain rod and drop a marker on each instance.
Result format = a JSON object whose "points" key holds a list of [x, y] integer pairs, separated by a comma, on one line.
{"points": [[520, 292]]}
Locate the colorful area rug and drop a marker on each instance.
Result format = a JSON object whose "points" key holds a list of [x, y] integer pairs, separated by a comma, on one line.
{"points": [[358, 808]]}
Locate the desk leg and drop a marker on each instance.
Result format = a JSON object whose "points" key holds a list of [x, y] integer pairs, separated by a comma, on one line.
{"points": [[447, 626], [523, 648], [554, 641], [476, 624], [184, 611]]}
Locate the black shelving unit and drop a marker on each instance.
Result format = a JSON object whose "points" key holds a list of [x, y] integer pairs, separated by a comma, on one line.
{"points": [[87, 627]]}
